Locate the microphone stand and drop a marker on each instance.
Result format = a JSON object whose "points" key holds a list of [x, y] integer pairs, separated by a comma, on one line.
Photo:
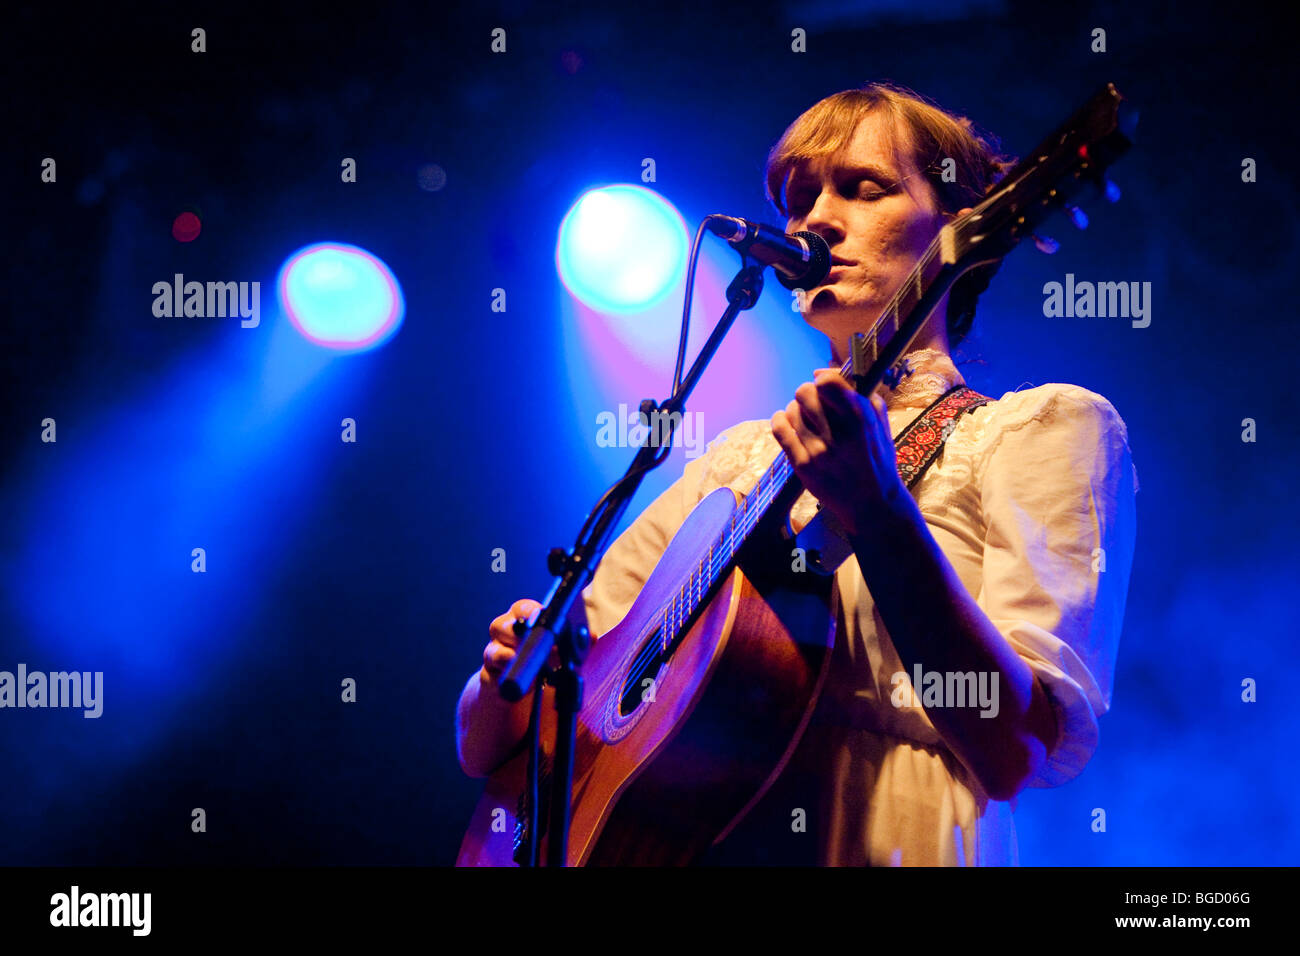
{"points": [[573, 569]]}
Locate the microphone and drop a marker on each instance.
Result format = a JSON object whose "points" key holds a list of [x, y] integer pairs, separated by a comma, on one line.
{"points": [[801, 261]]}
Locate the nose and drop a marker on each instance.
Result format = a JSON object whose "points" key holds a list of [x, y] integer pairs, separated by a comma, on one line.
{"points": [[826, 217]]}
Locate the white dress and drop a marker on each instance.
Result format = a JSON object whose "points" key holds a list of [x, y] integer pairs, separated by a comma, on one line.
{"points": [[1033, 501]]}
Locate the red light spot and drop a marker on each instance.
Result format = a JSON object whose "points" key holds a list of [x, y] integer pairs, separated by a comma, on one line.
{"points": [[571, 60], [186, 227], [1083, 152]]}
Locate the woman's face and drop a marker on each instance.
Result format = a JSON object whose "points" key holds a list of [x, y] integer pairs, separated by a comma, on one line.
{"points": [[877, 217]]}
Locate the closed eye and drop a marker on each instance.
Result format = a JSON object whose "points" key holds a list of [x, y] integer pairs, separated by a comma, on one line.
{"points": [[866, 189], [869, 189]]}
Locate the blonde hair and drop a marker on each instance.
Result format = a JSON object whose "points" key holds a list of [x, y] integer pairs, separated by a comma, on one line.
{"points": [[917, 131]]}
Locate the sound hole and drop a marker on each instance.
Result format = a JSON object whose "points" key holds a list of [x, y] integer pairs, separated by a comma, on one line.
{"points": [[649, 659]]}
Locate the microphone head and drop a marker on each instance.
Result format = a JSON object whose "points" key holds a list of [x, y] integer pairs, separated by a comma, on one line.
{"points": [[818, 267]]}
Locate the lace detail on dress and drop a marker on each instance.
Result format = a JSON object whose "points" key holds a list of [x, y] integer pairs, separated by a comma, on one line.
{"points": [[976, 423], [739, 457], [932, 374]]}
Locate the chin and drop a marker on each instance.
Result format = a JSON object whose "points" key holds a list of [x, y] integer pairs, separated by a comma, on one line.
{"points": [[823, 303], [826, 297], [827, 310]]}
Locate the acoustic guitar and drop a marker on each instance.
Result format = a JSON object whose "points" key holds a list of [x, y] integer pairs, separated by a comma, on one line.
{"points": [[695, 701]]}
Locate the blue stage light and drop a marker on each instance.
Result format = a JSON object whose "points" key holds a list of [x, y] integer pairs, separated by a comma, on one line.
{"points": [[621, 248], [340, 296]]}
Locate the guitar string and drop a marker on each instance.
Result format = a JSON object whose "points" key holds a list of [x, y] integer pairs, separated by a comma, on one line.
{"points": [[681, 607]]}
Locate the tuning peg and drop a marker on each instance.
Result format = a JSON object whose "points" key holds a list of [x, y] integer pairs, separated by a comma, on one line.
{"points": [[1078, 217], [1045, 245], [1111, 191]]}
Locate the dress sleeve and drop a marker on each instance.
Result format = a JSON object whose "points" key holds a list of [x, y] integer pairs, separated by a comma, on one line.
{"points": [[1057, 494]]}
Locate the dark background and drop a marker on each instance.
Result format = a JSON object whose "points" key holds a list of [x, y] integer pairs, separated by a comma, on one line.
{"points": [[329, 560]]}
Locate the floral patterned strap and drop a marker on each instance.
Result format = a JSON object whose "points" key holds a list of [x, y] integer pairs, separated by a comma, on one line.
{"points": [[919, 443]]}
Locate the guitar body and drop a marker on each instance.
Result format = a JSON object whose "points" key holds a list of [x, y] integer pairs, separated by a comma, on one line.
{"points": [[669, 757]]}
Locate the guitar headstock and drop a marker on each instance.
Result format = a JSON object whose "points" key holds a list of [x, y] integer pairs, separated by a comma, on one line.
{"points": [[1055, 175]]}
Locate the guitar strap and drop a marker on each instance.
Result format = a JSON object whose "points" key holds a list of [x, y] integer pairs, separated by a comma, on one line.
{"points": [[915, 449], [917, 445]]}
